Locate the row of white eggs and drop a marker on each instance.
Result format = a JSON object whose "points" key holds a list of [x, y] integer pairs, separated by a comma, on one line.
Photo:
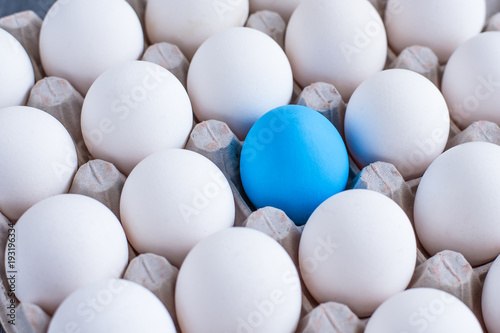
{"points": [[332, 41], [114, 87], [239, 74], [357, 248], [360, 257]]}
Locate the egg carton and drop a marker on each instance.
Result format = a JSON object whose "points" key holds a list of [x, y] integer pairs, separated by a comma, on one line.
{"points": [[448, 271]]}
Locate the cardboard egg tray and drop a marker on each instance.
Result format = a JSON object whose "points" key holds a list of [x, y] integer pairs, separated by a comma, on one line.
{"points": [[216, 141]]}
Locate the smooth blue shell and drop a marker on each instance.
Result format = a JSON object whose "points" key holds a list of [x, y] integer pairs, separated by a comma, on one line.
{"points": [[293, 159]]}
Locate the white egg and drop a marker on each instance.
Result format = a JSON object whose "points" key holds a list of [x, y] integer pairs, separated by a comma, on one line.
{"points": [[189, 23], [112, 306], [80, 39], [358, 248], [284, 8], [423, 310], [400, 117], [134, 110], [336, 41], [38, 159], [16, 71], [172, 200], [471, 80], [456, 204], [490, 299], [238, 280], [441, 25], [236, 76], [61, 244]]}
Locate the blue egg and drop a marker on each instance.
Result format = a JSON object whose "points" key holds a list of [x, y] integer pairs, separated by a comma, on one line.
{"points": [[293, 159]]}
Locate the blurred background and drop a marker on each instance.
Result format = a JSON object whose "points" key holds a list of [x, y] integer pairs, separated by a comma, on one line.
{"points": [[40, 7]]}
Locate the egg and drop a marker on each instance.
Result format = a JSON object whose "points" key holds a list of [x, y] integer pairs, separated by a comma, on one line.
{"points": [[172, 200], [112, 306], [441, 25], [38, 159], [358, 248], [400, 117], [471, 80], [80, 39], [134, 110], [284, 8], [293, 159], [236, 76], [189, 23], [490, 298], [16, 71], [423, 310], [336, 41], [63, 243], [238, 280], [456, 204]]}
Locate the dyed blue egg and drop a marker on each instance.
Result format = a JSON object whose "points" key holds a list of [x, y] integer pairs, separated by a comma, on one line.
{"points": [[293, 159]]}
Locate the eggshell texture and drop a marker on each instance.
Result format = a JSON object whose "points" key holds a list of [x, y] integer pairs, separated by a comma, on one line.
{"points": [[284, 8], [16, 71], [293, 159], [456, 204], [400, 117], [238, 280], [80, 39], [336, 41], [112, 306], [423, 310], [442, 25], [358, 248], [491, 297], [172, 200], [38, 159], [236, 76], [189, 23], [133, 110], [63, 243], [471, 80]]}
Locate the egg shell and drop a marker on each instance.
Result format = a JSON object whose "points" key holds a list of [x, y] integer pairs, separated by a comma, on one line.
{"points": [[236, 76], [189, 23], [456, 204], [80, 39], [358, 248], [63, 243], [400, 117], [16, 71], [172, 200], [423, 310], [134, 110], [442, 25], [112, 306], [471, 80], [284, 8], [336, 41], [244, 279], [38, 159], [490, 298], [293, 159]]}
